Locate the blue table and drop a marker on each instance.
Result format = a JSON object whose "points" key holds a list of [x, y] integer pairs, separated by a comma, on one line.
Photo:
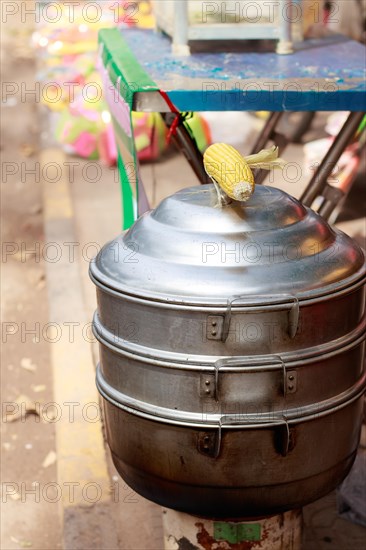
{"points": [[325, 74], [139, 68]]}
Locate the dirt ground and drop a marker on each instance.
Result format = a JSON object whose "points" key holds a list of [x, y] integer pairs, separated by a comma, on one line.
{"points": [[25, 358], [31, 508]]}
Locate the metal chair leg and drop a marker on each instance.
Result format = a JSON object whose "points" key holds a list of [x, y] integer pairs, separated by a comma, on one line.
{"points": [[318, 182]]}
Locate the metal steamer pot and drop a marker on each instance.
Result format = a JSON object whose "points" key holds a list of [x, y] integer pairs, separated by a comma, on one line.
{"points": [[232, 343]]}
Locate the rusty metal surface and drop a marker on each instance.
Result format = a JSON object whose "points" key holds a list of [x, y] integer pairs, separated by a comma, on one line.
{"points": [[184, 532]]}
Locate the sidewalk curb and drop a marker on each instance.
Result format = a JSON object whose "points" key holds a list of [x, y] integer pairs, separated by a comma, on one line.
{"points": [[82, 470]]}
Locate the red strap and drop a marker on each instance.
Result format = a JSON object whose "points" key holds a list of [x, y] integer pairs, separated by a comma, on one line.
{"points": [[172, 107]]}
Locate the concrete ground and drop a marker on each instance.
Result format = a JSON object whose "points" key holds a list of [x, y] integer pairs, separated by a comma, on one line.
{"points": [[53, 467]]}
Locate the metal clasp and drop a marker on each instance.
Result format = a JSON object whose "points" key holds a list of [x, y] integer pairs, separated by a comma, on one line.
{"points": [[208, 385], [214, 327], [209, 443]]}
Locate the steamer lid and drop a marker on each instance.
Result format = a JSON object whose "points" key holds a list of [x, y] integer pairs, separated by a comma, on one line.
{"points": [[188, 250]]}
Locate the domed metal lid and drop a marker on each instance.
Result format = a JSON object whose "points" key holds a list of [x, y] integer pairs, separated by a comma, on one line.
{"points": [[189, 250]]}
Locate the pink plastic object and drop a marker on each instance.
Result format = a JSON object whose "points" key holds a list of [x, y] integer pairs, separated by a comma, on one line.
{"points": [[85, 144]]}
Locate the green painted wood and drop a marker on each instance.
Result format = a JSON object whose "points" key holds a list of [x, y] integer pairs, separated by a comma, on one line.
{"points": [[234, 533], [121, 64]]}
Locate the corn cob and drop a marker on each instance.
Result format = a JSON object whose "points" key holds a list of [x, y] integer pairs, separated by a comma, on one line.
{"points": [[228, 168], [232, 172]]}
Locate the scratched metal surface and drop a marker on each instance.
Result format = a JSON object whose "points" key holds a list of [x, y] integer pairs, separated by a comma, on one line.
{"points": [[323, 74]]}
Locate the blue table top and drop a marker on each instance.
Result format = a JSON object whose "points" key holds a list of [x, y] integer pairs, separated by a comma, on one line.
{"points": [[324, 74]]}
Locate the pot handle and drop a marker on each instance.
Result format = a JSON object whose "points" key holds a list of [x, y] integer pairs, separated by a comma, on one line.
{"points": [[289, 378], [292, 306], [209, 443]]}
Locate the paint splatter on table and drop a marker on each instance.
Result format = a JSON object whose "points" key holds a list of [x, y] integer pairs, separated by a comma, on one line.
{"points": [[324, 74]]}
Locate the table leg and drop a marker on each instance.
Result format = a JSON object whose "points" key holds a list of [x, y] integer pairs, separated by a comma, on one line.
{"points": [[181, 23], [187, 145], [285, 45], [267, 133]]}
